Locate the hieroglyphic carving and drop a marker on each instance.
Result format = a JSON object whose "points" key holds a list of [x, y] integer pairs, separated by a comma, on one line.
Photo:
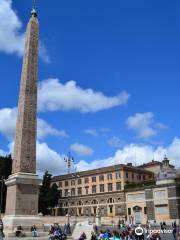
{"points": [[24, 157]]}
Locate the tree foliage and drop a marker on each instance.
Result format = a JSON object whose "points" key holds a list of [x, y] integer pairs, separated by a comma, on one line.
{"points": [[48, 195], [5, 171]]}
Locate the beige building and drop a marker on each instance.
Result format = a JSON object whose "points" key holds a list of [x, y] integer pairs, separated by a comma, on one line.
{"points": [[122, 192]]}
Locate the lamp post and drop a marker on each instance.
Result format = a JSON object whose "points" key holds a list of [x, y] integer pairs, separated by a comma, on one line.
{"points": [[1, 194], [69, 194], [76, 176], [69, 160]]}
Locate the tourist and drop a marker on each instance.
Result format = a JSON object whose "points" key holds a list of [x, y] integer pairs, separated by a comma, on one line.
{"points": [[19, 232], [51, 232], [34, 231], [83, 236], [1, 230], [100, 237], [93, 236], [68, 228], [174, 230], [116, 235], [178, 234], [106, 235]]}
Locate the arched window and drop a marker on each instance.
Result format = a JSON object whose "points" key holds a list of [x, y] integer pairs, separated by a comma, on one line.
{"points": [[79, 203], [94, 202], [110, 200]]}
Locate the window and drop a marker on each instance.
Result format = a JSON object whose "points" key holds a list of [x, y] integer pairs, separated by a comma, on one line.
{"points": [[79, 191], [118, 175], [111, 209], [60, 193], [93, 179], [110, 187], [110, 200], [93, 189], [127, 174], [94, 202], [86, 180], [73, 192], [145, 210], [160, 194], [136, 197], [79, 181], [66, 183], [129, 211], [109, 176], [132, 175], [72, 182], [101, 178], [118, 186], [60, 184], [161, 209], [66, 192], [86, 190], [101, 187]]}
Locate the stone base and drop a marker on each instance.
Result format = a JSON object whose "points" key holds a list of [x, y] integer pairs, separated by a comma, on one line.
{"points": [[22, 203], [26, 222], [22, 194]]}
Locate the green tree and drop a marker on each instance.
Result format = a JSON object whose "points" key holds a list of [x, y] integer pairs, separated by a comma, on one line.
{"points": [[5, 171], [48, 195]]}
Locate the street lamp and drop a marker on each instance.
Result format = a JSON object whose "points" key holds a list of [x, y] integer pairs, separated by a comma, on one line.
{"points": [[1, 194], [69, 194], [69, 160], [75, 175]]}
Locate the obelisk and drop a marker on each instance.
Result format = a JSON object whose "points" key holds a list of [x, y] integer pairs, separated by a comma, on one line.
{"points": [[23, 184]]}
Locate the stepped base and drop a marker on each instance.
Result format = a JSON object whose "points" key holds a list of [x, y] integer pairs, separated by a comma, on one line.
{"points": [[11, 222]]}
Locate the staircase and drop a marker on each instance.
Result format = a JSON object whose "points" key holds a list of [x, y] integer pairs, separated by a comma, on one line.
{"points": [[80, 228]]}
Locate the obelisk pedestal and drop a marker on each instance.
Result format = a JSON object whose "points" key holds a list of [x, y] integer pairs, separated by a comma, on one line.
{"points": [[23, 184], [22, 203]]}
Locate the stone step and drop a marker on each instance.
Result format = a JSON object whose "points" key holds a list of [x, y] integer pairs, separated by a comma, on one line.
{"points": [[79, 229]]}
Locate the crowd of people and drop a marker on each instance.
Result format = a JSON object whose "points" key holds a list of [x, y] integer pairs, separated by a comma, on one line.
{"points": [[58, 233], [123, 232], [129, 233]]}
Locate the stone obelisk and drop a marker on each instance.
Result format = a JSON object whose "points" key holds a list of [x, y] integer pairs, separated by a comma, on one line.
{"points": [[23, 184]]}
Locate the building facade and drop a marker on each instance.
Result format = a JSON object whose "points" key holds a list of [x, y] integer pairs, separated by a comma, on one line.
{"points": [[133, 194]]}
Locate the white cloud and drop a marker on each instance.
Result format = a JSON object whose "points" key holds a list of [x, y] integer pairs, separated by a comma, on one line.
{"points": [[8, 122], [137, 154], [115, 142], [54, 96], [44, 129], [8, 125], [91, 131], [11, 36], [81, 149], [144, 125], [49, 160]]}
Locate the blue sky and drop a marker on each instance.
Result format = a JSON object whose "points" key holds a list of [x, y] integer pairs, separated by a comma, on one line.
{"points": [[109, 80]]}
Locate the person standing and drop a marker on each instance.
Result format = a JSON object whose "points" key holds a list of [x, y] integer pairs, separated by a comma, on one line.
{"points": [[174, 230], [1, 230]]}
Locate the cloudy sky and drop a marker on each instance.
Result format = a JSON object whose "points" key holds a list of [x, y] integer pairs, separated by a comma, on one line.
{"points": [[108, 80]]}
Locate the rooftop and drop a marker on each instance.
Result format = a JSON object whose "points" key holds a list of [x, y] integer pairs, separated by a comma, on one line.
{"points": [[101, 171]]}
